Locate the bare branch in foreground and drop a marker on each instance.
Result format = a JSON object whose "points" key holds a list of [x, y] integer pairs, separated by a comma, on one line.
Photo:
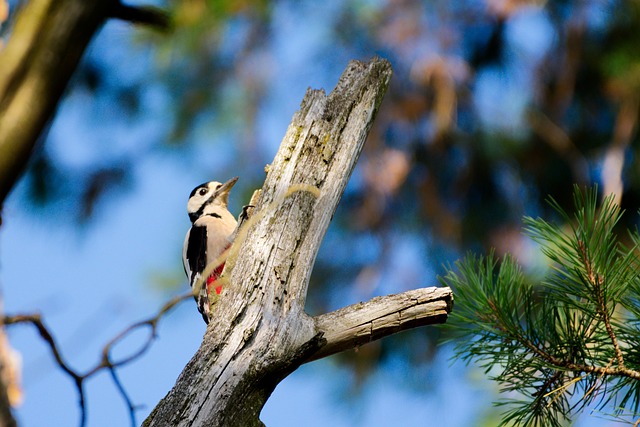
{"points": [[105, 362], [358, 324]]}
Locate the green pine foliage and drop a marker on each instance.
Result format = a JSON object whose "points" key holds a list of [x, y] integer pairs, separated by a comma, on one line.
{"points": [[566, 343]]}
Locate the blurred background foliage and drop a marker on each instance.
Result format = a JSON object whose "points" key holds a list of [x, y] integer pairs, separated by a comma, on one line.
{"points": [[494, 105]]}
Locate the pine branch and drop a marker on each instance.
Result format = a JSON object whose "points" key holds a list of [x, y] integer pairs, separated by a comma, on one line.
{"points": [[561, 338], [597, 285]]}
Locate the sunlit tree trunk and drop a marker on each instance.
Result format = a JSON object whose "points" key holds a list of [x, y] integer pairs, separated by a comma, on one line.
{"points": [[260, 333], [45, 47], [44, 50]]}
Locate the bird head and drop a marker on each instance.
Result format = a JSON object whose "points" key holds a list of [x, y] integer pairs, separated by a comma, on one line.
{"points": [[208, 197]]}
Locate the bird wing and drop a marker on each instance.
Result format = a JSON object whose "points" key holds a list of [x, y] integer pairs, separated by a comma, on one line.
{"points": [[195, 261], [196, 252]]}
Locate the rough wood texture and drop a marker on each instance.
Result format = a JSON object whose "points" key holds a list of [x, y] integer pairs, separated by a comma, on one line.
{"points": [[361, 323], [260, 332]]}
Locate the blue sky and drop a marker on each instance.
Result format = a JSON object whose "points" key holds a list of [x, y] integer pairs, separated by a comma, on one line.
{"points": [[92, 282]]}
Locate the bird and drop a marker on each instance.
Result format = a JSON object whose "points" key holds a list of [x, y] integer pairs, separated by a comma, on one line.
{"points": [[212, 230]]}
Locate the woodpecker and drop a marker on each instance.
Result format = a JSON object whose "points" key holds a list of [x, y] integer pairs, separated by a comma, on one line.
{"points": [[211, 233]]}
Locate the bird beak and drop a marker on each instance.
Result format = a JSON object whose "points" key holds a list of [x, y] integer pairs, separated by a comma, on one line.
{"points": [[223, 192]]}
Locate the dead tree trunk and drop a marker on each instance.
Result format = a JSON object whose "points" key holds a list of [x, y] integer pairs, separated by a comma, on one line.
{"points": [[260, 332]]}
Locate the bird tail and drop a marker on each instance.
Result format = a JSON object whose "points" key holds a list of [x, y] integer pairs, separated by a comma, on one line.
{"points": [[203, 302], [202, 298]]}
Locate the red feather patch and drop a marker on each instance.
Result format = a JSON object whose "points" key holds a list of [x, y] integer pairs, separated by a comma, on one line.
{"points": [[214, 276]]}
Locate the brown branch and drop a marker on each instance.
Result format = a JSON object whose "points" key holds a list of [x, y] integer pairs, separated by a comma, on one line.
{"points": [[45, 47], [105, 362], [144, 15], [602, 308], [358, 324], [151, 322], [37, 322], [125, 396], [564, 364], [596, 283]]}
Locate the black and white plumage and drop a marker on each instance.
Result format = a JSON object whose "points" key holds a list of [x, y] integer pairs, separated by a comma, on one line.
{"points": [[212, 228]]}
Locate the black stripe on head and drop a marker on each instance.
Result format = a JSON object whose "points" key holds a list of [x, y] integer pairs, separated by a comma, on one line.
{"points": [[193, 216], [193, 192], [197, 214]]}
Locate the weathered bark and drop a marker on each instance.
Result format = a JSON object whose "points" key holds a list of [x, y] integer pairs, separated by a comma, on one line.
{"points": [[260, 332], [361, 323]]}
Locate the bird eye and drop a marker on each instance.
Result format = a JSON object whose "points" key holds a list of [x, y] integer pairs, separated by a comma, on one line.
{"points": [[202, 191], [218, 186]]}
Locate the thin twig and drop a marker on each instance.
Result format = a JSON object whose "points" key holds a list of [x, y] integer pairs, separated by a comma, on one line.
{"points": [[562, 387], [576, 367], [151, 322], [127, 400], [144, 15], [596, 283], [594, 386], [37, 322], [105, 361]]}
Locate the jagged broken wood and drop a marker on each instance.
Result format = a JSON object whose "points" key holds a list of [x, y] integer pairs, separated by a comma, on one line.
{"points": [[358, 324], [260, 333]]}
